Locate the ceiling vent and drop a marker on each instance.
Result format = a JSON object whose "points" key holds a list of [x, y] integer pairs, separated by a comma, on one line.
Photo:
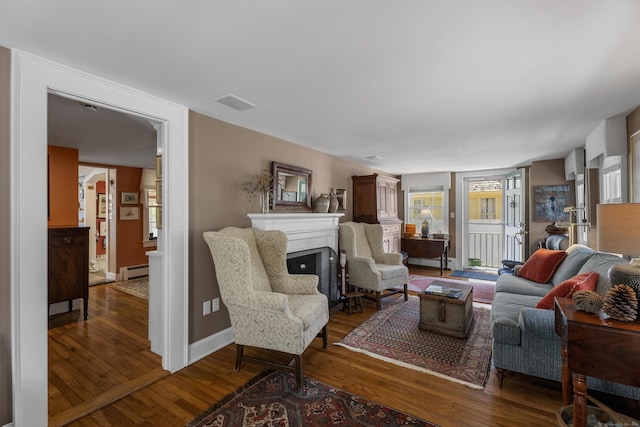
{"points": [[234, 102]]}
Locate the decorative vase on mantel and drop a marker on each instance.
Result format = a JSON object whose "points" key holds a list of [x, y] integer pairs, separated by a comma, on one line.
{"points": [[333, 203], [264, 202], [321, 204]]}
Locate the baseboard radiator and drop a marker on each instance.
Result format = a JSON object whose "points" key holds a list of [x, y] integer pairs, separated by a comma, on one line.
{"points": [[133, 271]]}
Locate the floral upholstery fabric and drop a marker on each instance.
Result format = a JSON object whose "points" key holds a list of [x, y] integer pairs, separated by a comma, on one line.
{"points": [[369, 266], [268, 307]]}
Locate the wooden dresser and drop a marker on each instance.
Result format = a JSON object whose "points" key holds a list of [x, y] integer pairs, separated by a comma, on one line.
{"points": [[375, 201], [69, 265]]}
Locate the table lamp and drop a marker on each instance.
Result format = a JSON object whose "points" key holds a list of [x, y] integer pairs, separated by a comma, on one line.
{"points": [[618, 232], [426, 215]]}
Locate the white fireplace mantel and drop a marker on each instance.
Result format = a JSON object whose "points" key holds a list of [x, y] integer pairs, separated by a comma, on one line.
{"points": [[304, 230]]}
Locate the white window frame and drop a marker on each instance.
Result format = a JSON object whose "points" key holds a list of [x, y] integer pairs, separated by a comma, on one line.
{"points": [[441, 228]]}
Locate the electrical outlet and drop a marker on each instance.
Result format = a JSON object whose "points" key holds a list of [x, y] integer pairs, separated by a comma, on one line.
{"points": [[216, 304], [452, 215], [206, 307]]}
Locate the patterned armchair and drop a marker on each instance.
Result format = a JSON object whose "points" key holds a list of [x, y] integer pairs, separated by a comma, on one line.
{"points": [[268, 307], [369, 266]]}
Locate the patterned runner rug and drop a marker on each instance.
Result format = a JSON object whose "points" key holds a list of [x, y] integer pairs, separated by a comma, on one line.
{"points": [[392, 335], [482, 292], [270, 399]]}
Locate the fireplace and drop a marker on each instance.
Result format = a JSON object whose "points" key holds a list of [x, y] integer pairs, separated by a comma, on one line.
{"points": [[312, 245], [322, 262]]}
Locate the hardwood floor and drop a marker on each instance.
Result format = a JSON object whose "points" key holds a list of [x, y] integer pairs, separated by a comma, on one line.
{"points": [[175, 399]]}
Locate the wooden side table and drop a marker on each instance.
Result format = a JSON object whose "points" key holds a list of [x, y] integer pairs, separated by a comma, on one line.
{"points": [[594, 347], [419, 247]]}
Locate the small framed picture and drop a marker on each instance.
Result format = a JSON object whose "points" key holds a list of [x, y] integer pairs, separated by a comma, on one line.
{"points": [[129, 213], [159, 192], [129, 198], [102, 205], [159, 217], [158, 167]]}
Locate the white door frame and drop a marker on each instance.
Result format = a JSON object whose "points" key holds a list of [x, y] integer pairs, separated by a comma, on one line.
{"points": [[32, 78]]}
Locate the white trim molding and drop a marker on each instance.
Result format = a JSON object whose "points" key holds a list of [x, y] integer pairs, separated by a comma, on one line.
{"points": [[210, 344]]}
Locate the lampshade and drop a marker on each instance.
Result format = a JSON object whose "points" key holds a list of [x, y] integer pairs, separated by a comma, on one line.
{"points": [[148, 179], [619, 228], [425, 213]]}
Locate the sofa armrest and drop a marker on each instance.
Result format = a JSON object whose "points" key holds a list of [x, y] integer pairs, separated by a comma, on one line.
{"points": [[538, 321]]}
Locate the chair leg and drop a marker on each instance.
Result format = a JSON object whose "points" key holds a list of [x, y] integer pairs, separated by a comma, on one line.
{"points": [[325, 337], [239, 351], [406, 292], [500, 373], [378, 300], [299, 375]]}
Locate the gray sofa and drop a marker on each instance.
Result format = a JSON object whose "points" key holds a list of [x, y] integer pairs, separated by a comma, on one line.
{"points": [[524, 338]]}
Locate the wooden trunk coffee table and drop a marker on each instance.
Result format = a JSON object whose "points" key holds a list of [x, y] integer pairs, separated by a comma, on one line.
{"points": [[447, 315]]}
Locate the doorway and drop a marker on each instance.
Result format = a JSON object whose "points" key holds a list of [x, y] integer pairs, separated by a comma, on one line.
{"points": [[32, 79], [481, 221], [92, 213]]}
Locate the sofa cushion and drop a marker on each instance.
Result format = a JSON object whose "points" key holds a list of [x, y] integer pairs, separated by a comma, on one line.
{"points": [[581, 282], [600, 262], [577, 255], [542, 265], [520, 285]]}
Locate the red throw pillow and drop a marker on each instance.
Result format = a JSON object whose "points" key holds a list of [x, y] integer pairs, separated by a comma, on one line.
{"points": [[542, 265], [581, 282]]}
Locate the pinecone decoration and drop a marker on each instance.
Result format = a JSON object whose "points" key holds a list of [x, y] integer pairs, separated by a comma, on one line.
{"points": [[589, 301], [621, 303]]}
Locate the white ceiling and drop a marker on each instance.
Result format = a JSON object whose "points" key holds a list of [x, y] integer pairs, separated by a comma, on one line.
{"points": [[428, 85]]}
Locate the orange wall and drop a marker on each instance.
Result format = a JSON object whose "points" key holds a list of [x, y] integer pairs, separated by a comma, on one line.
{"points": [[129, 233], [63, 186]]}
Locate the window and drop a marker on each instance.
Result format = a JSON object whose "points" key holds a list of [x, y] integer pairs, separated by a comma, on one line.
{"points": [[436, 201], [485, 199], [612, 172], [487, 208]]}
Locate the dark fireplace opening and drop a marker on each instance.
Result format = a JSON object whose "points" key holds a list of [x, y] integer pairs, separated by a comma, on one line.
{"points": [[322, 262]]}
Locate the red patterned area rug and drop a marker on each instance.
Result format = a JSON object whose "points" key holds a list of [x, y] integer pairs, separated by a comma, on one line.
{"points": [[482, 292], [392, 335], [271, 399]]}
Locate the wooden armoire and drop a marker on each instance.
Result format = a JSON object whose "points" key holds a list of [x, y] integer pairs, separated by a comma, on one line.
{"points": [[375, 201]]}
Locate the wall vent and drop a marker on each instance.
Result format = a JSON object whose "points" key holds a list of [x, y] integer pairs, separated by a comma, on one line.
{"points": [[234, 102]]}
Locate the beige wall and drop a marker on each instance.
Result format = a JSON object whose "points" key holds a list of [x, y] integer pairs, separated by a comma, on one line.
{"points": [[5, 201], [546, 172], [221, 157]]}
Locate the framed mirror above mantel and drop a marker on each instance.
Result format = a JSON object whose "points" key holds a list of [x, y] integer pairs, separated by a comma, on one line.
{"points": [[291, 187]]}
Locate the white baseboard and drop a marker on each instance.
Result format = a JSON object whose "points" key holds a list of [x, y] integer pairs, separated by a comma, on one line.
{"points": [[432, 262], [112, 276], [209, 345], [133, 271], [8, 425]]}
